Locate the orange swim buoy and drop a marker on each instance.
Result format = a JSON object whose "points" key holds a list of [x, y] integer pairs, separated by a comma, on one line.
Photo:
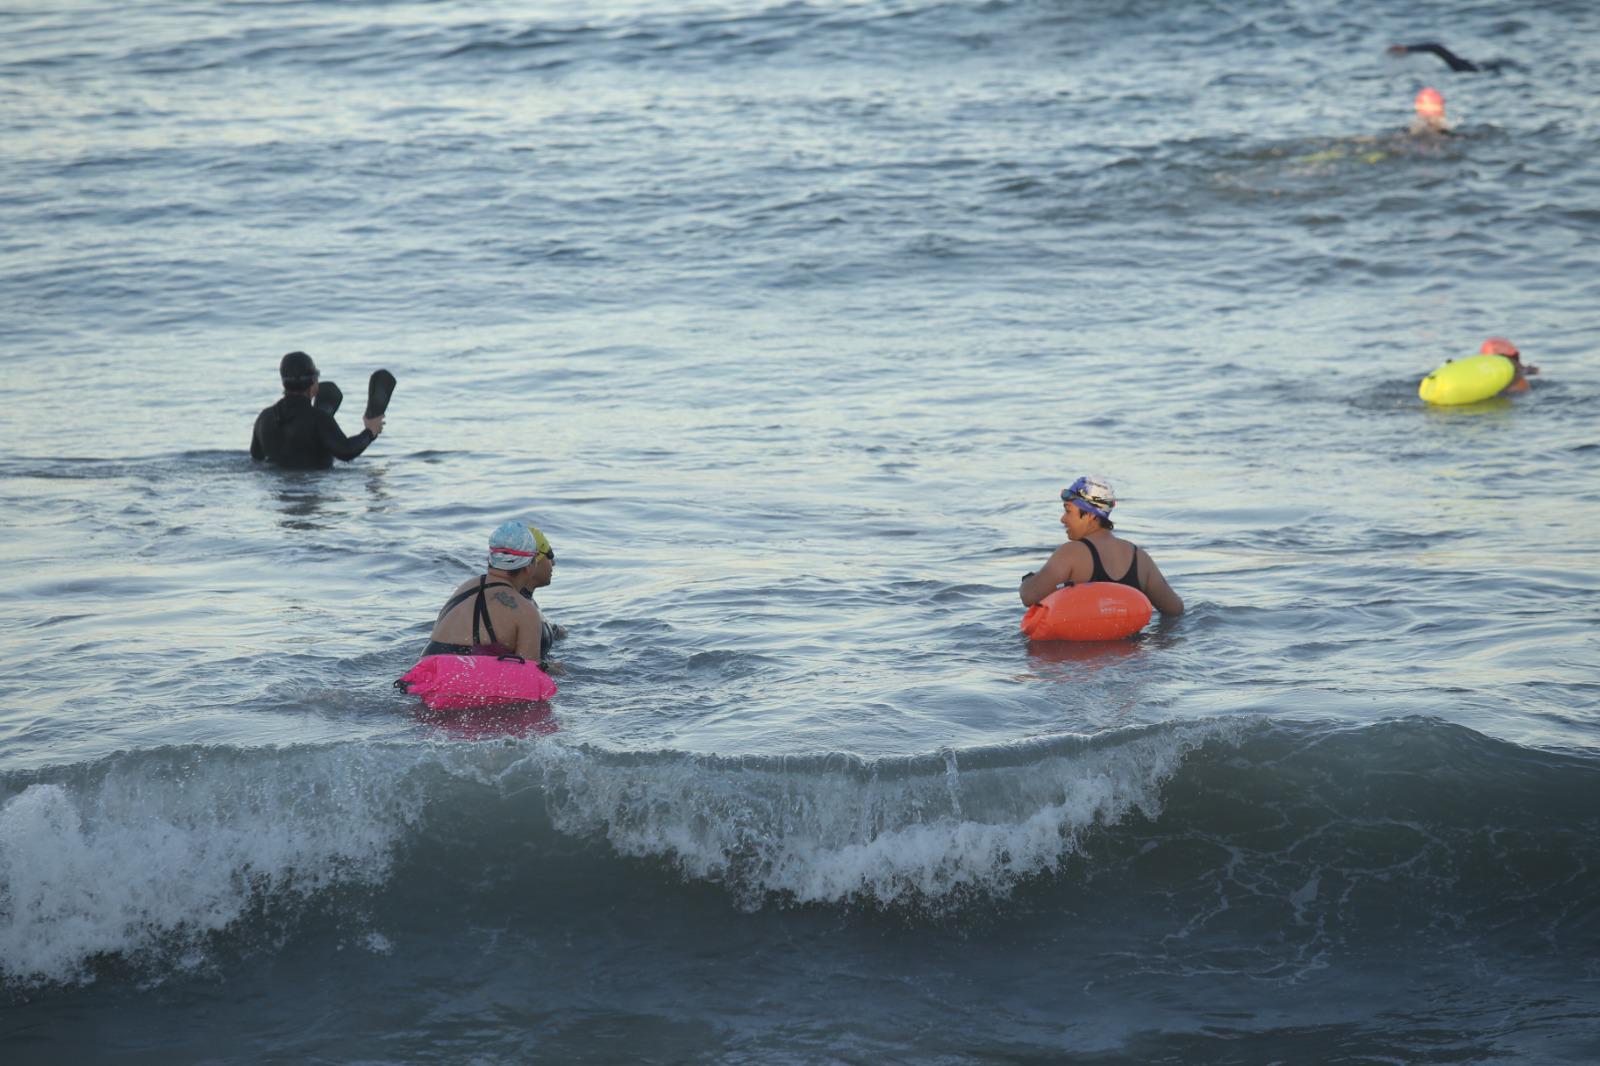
{"points": [[1096, 610]]}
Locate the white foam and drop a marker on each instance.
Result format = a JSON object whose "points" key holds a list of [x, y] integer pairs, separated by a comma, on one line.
{"points": [[159, 853], [820, 837]]}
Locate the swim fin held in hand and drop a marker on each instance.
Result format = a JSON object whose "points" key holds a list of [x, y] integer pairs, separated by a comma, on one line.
{"points": [[329, 397], [379, 388]]}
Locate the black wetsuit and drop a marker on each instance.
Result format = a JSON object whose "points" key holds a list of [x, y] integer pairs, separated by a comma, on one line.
{"points": [[1457, 64], [1131, 578], [295, 434]]}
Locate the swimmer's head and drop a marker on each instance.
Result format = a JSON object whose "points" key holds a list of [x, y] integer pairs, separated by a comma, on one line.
{"points": [[541, 543], [1091, 494], [512, 547], [1501, 346], [298, 372], [1430, 104], [544, 560]]}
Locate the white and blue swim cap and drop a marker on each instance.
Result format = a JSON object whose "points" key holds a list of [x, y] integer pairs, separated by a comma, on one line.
{"points": [[511, 546], [1094, 494]]}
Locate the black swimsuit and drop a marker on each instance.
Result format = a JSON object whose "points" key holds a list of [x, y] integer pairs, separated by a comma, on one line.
{"points": [[480, 610], [1131, 578]]}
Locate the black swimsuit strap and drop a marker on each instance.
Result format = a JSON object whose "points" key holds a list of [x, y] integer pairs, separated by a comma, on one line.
{"points": [[467, 595], [1101, 574], [479, 609], [1132, 576], [1099, 571]]}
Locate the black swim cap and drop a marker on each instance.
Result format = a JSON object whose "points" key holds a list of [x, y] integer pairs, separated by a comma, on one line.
{"points": [[298, 371]]}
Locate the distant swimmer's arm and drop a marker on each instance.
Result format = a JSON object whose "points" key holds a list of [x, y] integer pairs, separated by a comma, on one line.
{"points": [[257, 452], [1055, 572], [1456, 63]]}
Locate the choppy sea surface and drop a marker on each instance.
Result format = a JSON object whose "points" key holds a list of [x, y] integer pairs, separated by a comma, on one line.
{"points": [[787, 322]]}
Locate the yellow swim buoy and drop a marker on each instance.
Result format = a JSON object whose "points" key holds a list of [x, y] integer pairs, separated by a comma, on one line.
{"points": [[1468, 380]]}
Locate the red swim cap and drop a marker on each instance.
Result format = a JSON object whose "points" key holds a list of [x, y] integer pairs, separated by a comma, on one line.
{"points": [[1429, 102], [1499, 346]]}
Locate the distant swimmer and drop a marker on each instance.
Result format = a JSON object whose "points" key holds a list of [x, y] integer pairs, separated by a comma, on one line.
{"points": [[1456, 63], [494, 613], [298, 432], [1092, 552], [1430, 118], [1501, 346], [1496, 371]]}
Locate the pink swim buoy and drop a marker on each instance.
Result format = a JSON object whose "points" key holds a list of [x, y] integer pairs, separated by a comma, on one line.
{"points": [[470, 682]]}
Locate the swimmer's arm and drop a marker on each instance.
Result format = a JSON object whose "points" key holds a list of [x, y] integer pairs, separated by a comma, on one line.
{"points": [[1056, 571], [530, 632], [338, 445], [1455, 62], [1162, 598]]}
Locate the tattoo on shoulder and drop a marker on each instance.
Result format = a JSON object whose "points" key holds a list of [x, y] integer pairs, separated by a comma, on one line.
{"points": [[505, 599]]}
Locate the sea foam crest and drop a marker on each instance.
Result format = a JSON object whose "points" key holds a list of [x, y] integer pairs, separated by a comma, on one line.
{"points": [[153, 853], [923, 832]]}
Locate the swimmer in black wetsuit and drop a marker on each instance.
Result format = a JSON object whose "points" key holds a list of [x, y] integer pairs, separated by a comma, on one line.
{"points": [[1091, 550], [1456, 63], [494, 613], [295, 433]]}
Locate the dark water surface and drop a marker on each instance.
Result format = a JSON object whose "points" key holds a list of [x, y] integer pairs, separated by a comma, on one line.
{"points": [[787, 322]]}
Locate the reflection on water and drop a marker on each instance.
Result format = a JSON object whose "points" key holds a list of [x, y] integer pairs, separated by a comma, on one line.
{"points": [[1090, 654], [317, 500], [488, 723], [1494, 408]]}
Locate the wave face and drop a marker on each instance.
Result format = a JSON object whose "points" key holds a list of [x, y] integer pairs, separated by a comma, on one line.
{"points": [[148, 856], [1332, 838], [928, 832]]}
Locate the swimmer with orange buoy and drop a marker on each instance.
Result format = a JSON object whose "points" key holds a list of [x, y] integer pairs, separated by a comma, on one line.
{"points": [[1093, 605], [1496, 370]]}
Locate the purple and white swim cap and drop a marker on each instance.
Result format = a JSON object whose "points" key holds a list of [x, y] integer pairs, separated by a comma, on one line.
{"points": [[1093, 494]]}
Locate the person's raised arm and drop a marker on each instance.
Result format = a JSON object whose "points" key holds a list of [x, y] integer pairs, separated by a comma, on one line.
{"points": [[1455, 62], [339, 445]]}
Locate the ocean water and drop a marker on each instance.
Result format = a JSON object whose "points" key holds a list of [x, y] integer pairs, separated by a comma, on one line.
{"points": [[787, 322]]}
